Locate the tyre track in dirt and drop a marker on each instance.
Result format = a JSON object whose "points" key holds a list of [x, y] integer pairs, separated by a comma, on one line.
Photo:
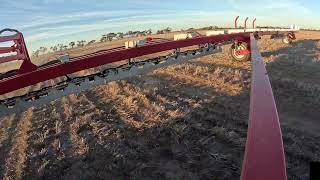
{"points": [[16, 158], [8, 128], [43, 142]]}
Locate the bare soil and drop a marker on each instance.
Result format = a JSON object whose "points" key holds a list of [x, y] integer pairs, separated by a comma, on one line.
{"points": [[185, 121]]}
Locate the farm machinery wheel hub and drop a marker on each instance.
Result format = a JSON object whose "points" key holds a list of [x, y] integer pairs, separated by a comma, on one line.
{"points": [[239, 51]]}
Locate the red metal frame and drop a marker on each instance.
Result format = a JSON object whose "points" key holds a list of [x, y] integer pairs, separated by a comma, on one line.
{"points": [[291, 36], [19, 48], [253, 23], [7, 49], [245, 22], [104, 57], [236, 22], [242, 52], [264, 155]]}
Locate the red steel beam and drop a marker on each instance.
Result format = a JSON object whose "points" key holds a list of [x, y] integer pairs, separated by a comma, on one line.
{"points": [[9, 38], [11, 58], [104, 57], [264, 155], [236, 22], [19, 48], [245, 22], [253, 23], [6, 50]]}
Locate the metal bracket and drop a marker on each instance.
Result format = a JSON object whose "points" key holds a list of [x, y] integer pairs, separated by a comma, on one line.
{"points": [[65, 58]]}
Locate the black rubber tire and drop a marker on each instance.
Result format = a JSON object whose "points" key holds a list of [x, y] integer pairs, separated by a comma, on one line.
{"points": [[242, 58]]}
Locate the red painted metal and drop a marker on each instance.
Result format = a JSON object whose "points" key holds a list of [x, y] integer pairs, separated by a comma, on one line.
{"points": [[9, 38], [7, 49], [264, 155], [148, 39], [19, 48], [10, 58], [291, 36], [242, 52], [253, 23], [236, 22], [245, 22], [26, 67], [104, 57]]}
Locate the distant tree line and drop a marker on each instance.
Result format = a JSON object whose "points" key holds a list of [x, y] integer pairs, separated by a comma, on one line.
{"points": [[210, 28], [309, 29], [104, 38]]}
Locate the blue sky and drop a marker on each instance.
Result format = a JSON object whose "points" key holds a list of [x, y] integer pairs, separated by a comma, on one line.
{"points": [[49, 22]]}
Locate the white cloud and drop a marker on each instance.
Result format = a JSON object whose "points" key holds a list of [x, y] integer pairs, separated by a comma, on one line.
{"points": [[47, 36], [42, 21], [42, 33]]}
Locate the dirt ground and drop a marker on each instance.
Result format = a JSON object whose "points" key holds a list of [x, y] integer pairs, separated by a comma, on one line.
{"points": [[185, 121]]}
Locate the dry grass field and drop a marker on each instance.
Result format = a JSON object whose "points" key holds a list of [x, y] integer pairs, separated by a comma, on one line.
{"points": [[186, 121]]}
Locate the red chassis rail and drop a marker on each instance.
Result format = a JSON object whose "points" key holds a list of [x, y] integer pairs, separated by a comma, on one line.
{"points": [[105, 57], [264, 156]]}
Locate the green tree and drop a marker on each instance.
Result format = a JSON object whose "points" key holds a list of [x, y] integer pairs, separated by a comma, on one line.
{"points": [[91, 42], [103, 38], [60, 46], [36, 53], [167, 30], [72, 44], [129, 33], [55, 48], [110, 36], [160, 32], [43, 50], [149, 32], [120, 35], [81, 43]]}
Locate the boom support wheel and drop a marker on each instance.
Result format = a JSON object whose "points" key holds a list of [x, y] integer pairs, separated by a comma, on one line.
{"points": [[289, 38], [286, 40], [240, 52]]}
